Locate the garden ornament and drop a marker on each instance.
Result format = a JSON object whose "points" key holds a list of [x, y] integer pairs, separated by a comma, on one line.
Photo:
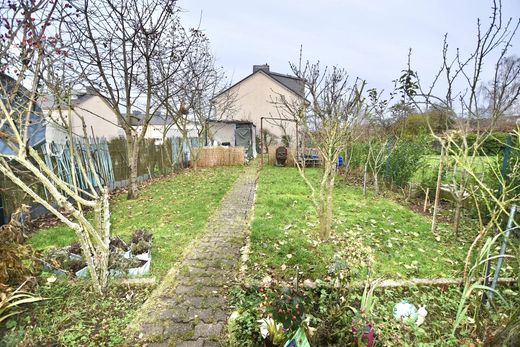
{"points": [[421, 315], [405, 311]]}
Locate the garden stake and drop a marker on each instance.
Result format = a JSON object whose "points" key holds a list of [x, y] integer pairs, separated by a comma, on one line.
{"points": [[503, 249], [503, 173]]}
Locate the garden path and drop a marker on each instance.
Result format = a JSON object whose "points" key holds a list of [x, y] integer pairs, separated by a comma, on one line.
{"points": [[189, 306]]}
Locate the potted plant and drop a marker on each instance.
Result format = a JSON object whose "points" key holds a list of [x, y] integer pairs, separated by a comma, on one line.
{"points": [[272, 332], [362, 325], [62, 261], [141, 244]]}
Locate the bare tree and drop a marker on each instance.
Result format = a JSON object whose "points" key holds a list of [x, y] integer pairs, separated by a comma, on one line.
{"points": [[33, 30], [502, 93], [462, 85], [336, 107], [115, 44], [462, 77], [186, 96]]}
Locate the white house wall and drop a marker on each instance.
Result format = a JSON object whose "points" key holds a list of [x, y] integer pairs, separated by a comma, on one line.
{"points": [[220, 133], [99, 118], [257, 97]]}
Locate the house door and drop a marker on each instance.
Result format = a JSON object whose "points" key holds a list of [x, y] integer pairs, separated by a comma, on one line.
{"points": [[243, 137]]}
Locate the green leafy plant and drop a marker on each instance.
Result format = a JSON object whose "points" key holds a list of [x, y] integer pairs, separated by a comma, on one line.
{"points": [[10, 301], [286, 306], [471, 286], [368, 301], [406, 158], [272, 330]]}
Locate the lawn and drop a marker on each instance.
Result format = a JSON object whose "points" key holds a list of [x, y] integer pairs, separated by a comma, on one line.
{"points": [[175, 209], [284, 232], [374, 231], [430, 166]]}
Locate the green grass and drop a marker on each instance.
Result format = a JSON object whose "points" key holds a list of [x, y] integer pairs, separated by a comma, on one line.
{"points": [[174, 209], [430, 167], [74, 315], [399, 239]]}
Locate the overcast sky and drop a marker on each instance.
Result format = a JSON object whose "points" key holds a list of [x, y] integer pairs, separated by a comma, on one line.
{"points": [[370, 38]]}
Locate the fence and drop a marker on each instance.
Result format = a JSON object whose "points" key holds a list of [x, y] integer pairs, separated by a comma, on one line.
{"points": [[219, 156], [111, 163]]}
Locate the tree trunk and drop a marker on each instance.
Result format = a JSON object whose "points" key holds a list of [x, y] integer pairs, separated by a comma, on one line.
{"points": [[133, 160], [376, 183], [326, 203], [456, 220], [425, 206], [365, 177]]}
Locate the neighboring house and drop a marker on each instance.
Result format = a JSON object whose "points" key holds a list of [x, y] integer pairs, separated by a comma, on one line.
{"points": [[258, 96], [100, 119], [160, 127]]}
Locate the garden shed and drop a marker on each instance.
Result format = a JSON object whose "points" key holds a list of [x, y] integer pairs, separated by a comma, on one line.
{"points": [[233, 133]]}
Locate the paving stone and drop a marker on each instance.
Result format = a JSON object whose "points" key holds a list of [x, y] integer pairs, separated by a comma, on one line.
{"points": [[179, 314], [220, 315], [204, 314], [216, 301], [194, 313], [178, 329], [157, 344], [184, 289], [195, 301], [208, 330], [151, 330], [197, 343]]}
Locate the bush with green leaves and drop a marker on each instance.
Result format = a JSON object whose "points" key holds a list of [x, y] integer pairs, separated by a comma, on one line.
{"points": [[406, 158], [358, 153]]}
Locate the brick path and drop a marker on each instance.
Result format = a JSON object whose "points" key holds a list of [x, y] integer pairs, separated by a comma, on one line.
{"points": [[189, 307]]}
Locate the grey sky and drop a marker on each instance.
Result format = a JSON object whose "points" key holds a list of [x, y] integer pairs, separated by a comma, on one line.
{"points": [[370, 38]]}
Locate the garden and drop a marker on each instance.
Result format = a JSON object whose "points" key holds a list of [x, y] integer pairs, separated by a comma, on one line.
{"points": [[390, 219], [176, 212], [294, 280]]}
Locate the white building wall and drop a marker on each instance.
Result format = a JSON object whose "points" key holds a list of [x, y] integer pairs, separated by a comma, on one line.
{"points": [[259, 96]]}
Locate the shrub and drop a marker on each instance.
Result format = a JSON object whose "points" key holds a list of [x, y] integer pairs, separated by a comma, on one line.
{"points": [[406, 158], [16, 259]]}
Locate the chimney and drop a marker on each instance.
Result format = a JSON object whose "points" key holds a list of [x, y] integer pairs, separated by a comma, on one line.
{"points": [[264, 68]]}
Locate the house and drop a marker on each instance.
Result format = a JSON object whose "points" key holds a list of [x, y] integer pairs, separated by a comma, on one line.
{"points": [[258, 96], [161, 127], [100, 119]]}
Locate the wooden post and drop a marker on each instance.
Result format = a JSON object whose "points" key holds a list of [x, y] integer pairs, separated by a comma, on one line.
{"points": [[261, 142], [437, 193]]}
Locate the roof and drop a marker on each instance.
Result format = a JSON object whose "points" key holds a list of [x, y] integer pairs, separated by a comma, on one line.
{"points": [[157, 119], [292, 83], [230, 121], [48, 102]]}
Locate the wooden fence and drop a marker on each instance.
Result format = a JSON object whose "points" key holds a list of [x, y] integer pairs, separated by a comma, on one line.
{"points": [[219, 156], [111, 163]]}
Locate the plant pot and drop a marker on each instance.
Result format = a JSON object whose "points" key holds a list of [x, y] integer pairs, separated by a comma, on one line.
{"points": [[60, 272], [142, 270], [368, 333]]}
